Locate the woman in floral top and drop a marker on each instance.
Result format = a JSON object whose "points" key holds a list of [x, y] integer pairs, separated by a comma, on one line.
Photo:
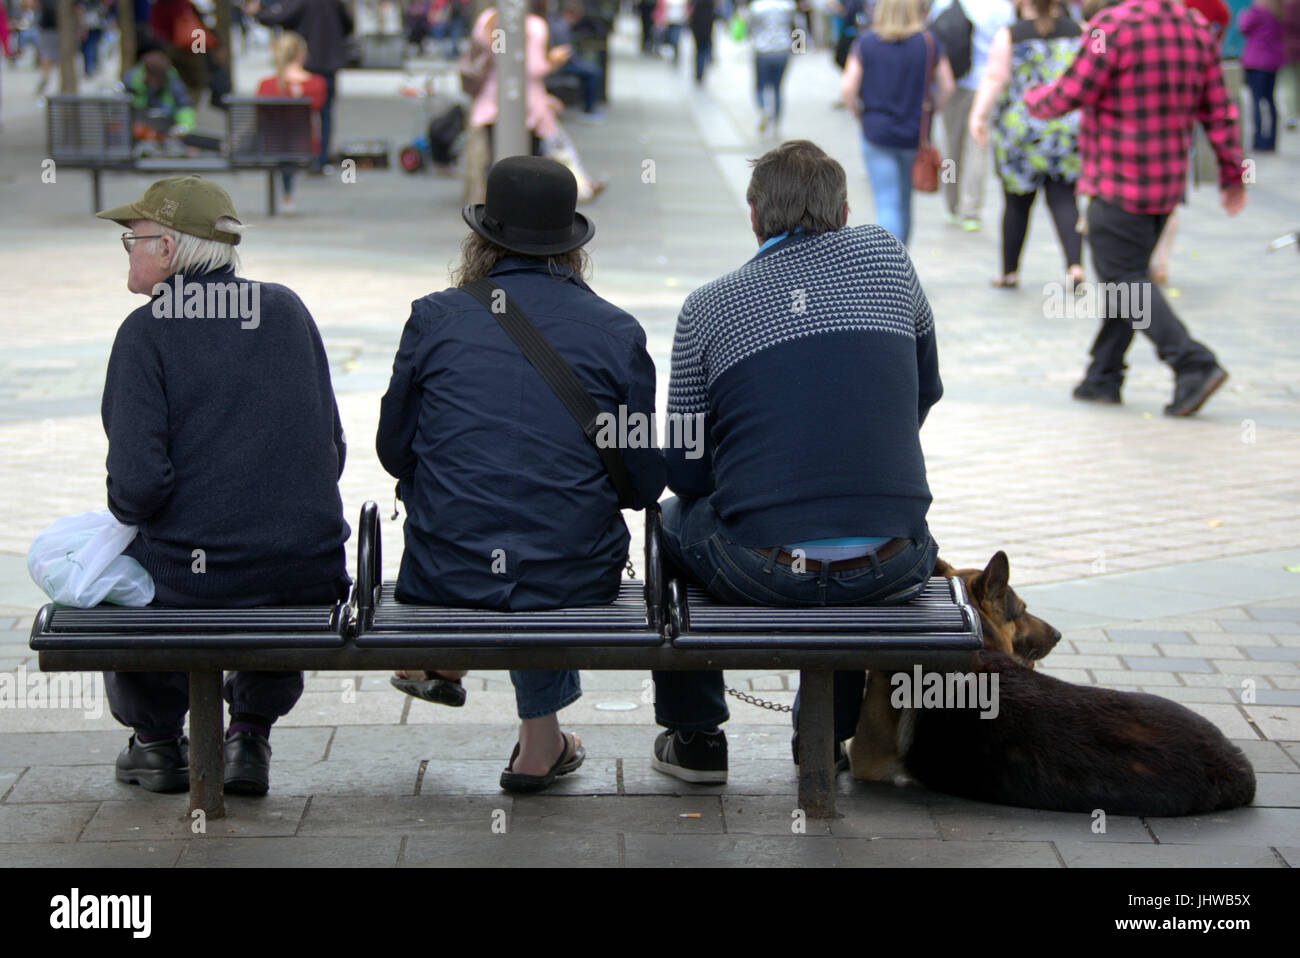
{"points": [[1031, 154]]}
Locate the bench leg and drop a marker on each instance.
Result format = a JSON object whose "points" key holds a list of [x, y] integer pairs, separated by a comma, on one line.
{"points": [[207, 747], [816, 732], [96, 196], [270, 193]]}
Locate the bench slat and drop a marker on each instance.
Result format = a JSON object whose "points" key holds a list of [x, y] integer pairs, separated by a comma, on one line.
{"points": [[110, 627], [398, 624]]}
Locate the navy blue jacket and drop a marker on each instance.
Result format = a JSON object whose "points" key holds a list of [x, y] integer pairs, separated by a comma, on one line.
{"points": [[814, 365], [225, 445], [508, 504]]}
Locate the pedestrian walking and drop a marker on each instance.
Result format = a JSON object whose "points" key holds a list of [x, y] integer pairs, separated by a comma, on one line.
{"points": [[964, 188], [1262, 56], [895, 77], [702, 15], [325, 26], [771, 24], [1032, 155], [1158, 68]]}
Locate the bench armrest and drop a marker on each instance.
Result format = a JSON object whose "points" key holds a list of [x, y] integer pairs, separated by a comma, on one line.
{"points": [[369, 563], [654, 568]]}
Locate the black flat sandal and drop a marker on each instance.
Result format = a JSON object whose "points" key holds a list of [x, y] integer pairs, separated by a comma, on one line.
{"points": [[435, 689]]}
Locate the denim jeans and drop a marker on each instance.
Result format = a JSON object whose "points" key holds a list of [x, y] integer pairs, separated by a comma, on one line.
{"points": [[544, 692], [697, 547], [769, 70], [326, 119], [890, 170]]}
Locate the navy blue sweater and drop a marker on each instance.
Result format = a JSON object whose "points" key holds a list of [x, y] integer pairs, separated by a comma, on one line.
{"points": [[508, 504], [814, 365], [224, 437]]}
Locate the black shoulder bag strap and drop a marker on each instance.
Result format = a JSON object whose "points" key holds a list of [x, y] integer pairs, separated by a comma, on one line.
{"points": [[558, 374]]}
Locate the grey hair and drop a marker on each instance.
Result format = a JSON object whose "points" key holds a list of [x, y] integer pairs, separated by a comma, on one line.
{"points": [[196, 255]]}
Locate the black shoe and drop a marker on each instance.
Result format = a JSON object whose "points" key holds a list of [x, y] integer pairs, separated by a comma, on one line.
{"points": [[840, 758], [157, 766], [699, 757], [1090, 392], [1192, 389], [248, 764]]}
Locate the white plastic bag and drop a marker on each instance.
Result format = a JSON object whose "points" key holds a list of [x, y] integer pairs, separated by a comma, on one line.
{"points": [[78, 561]]}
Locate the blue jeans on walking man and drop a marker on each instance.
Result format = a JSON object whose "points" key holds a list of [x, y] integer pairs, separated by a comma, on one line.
{"points": [[698, 547]]}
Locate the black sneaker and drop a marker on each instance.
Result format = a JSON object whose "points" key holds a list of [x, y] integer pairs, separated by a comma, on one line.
{"points": [[248, 764], [699, 757], [1090, 392], [1192, 389], [157, 766]]}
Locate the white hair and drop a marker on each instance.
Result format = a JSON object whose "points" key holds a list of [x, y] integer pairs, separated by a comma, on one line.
{"points": [[196, 255]]}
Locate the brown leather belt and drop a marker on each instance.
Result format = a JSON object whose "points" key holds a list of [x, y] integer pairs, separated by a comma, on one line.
{"points": [[888, 550]]}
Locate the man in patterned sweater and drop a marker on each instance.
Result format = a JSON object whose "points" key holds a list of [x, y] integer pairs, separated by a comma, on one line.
{"points": [[813, 366]]}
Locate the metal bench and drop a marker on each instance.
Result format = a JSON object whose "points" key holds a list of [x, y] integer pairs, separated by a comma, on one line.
{"points": [[652, 625], [94, 133]]}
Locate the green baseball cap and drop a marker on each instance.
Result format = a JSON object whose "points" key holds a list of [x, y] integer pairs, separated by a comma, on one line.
{"points": [[189, 204]]}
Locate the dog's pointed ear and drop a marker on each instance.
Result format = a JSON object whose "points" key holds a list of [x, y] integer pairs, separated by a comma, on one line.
{"points": [[991, 584], [942, 568]]}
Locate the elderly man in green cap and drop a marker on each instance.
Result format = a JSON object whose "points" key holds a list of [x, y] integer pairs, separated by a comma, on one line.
{"points": [[225, 449]]}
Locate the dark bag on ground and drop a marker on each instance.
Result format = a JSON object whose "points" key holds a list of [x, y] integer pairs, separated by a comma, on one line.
{"points": [[953, 28], [444, 135]]}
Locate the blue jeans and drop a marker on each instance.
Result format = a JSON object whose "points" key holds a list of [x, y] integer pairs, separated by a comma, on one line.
{"points": [[544, 692], [890, 170], [589, 76], [698, 548], [769, 69]]}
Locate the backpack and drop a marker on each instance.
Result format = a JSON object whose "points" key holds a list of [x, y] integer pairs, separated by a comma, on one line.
{"points": [[953, 28]]}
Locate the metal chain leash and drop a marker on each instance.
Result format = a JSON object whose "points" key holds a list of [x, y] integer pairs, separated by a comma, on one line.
{"points": [[631, 569], [771, 706]]}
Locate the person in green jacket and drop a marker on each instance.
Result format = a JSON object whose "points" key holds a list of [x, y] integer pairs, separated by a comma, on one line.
{"points": [[154, 84]]}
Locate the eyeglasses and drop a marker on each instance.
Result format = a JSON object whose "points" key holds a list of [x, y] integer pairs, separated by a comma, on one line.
{"points": [[129, 239]]}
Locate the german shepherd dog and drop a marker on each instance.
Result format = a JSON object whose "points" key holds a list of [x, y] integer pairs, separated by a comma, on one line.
{"points": [[1052, 745]]}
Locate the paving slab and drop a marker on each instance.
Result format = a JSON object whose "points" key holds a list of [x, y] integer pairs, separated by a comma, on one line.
{"points": [[92, 855], [78, 783], [53, 822], [334, 816], [454, 849], [154, 819], [1276, 790], [1280, 723], [1240, 826], [933, 853], [218, 852], [964, 821], [61, 748], [1147, 855], [633, 814], [731, 851]]}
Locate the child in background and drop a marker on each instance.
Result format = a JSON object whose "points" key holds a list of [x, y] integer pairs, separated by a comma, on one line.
{"points": [[1261, 57], [291, 79]]}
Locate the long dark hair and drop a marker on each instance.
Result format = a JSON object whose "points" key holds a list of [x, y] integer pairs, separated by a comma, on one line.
{"points": [[479, 255]]}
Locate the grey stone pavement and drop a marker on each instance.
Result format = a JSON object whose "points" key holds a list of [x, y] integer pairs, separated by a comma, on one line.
{"points": [[1167, 552]]}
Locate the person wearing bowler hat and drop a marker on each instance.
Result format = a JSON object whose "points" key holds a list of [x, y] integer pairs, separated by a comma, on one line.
{"points": [[508, 504], [225, 449]]}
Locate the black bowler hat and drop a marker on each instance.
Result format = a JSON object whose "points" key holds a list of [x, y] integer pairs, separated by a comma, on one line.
{"points": [[531, 208]]}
